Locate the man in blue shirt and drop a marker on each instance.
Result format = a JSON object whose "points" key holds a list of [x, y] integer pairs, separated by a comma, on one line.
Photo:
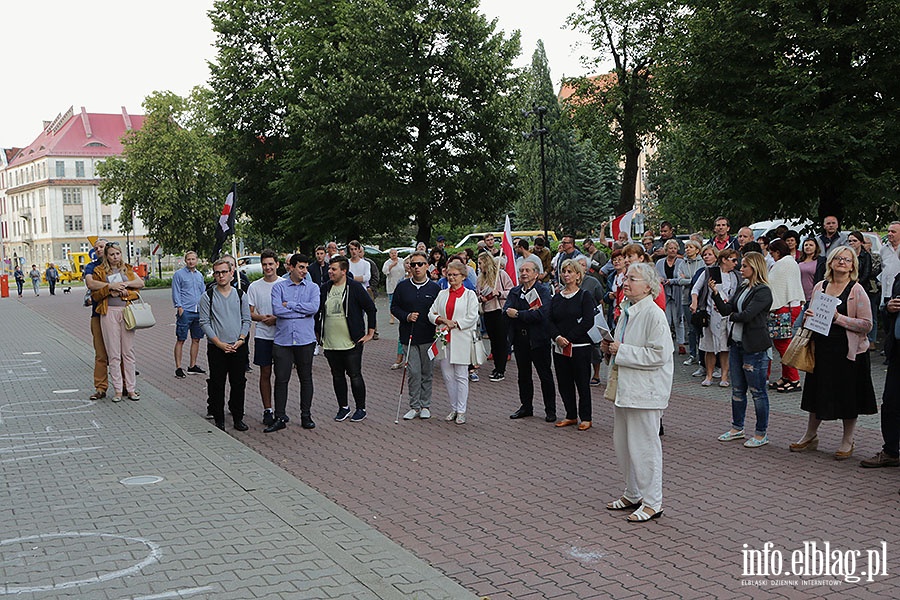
{"points": [[295, 302], [101, 379], [187, 288]]}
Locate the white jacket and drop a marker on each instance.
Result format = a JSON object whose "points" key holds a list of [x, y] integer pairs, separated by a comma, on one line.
{"points": [[465, 313], [645, 358]]}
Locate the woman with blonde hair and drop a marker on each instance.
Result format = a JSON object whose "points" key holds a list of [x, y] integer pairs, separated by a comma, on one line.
{"points": [[571, 317], [493, 287], [840, 387], [116, 285], [748, 347], [455, 312]]}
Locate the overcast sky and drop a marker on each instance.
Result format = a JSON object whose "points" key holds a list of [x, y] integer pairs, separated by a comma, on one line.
{"points": [[105, 54]]}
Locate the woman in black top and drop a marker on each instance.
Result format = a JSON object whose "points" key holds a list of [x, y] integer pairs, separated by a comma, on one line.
{"points": [[571, 317], [748, 345]]}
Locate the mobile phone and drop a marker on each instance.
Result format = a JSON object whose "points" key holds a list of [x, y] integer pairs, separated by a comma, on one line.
{"points": [[715, 273]]}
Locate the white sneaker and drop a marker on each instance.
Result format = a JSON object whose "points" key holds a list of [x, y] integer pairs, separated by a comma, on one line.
{"points": [[690, 361], [460, 418], [700, 372], [412, 414], [318, 350], [717, 373], [424, 414], [451, 416]]}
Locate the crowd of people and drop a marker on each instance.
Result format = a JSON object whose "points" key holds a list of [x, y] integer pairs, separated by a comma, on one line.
{"points": [[723, 304]]}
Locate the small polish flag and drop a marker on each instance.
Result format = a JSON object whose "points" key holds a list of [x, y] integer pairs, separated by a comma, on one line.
{"points": [[433, 351], [622, 223], [509, 253], [533, 299]]}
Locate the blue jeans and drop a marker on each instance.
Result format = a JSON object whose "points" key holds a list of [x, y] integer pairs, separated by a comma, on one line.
{"points": [[749, 370], [693, 333]]}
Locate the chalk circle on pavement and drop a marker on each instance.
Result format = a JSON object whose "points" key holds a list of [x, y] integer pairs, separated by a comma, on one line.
{"points": [[17, 552]]}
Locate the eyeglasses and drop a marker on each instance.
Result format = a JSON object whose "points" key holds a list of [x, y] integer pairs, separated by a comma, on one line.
{"points": [[417, 264], [454, 274], [228, 272], [843, 259]]}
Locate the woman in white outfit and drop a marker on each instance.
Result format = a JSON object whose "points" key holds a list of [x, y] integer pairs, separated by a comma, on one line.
{"points": [[642, 353], [455, 310], [714, 340]]}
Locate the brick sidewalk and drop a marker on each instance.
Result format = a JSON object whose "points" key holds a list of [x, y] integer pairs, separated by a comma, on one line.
{"points": [[514, 509]]}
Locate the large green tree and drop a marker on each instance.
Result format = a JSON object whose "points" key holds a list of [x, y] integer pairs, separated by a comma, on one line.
{"points": [[785, 107], [581, 182], [375, 112], [620, 112], [169, 175]]}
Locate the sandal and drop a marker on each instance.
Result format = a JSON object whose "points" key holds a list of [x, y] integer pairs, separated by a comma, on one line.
{"points": [[789, 386], [623, 503], [98, 395], [641, 515], [595, 381], [777, 384]]}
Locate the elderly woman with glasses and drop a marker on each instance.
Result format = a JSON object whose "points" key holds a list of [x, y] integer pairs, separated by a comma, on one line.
{"points": [[841, 385], [642, 358], [714, 338]]}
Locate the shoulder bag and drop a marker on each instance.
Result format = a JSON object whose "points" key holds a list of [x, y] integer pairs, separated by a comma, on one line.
{"points": [[801, 354], [138, 315]]}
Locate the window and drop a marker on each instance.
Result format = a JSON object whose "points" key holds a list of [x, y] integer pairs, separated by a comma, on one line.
{"points": [[73, 223], [107, 222], [60, 168], [66, 249], [79, 168], [85, 247], [42, 197], [43, 224], [71, 195]]}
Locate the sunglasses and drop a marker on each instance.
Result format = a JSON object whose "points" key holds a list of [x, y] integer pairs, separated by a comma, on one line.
{"points": [[417, 264], [114, 244]]}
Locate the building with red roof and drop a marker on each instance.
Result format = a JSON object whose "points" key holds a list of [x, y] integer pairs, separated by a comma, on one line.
{"points": [[49, 200]]}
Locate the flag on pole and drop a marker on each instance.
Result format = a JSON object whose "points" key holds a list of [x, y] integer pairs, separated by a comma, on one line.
{"points": [[622, 223], [433, 350], [225, 225], [506, 247]]}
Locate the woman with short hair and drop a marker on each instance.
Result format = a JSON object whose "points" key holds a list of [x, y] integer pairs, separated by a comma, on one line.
{"points": [[748, 347], [714, 339], [642, 355], [668, 269]]}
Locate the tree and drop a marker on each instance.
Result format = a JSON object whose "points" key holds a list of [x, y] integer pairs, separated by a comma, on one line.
{"points": [[786, 108], [619, 112], [578, 185], [376, 110], [169, 175]]}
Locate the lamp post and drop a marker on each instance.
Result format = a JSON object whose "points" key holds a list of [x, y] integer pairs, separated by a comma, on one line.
{"points": [[539, 133]]}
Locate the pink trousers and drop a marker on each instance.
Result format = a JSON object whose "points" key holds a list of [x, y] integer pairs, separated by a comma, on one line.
{"points": [[119, 344]]}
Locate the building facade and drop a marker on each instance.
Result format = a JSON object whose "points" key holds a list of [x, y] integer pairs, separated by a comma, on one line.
{"points": [[49, 191]]}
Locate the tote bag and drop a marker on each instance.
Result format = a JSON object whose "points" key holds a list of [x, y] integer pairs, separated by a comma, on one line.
{"points": [[138, 315]]}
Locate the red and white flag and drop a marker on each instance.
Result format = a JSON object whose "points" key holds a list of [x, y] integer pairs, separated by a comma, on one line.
{"points": [[622, 223], [507, 248], [533, 299], [433, 350]]}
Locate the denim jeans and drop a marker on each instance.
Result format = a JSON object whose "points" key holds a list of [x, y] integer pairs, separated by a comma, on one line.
{"points": [[749, 370]]}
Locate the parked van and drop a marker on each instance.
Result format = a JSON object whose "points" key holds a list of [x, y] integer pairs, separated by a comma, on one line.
{"points": [[474, 238]]}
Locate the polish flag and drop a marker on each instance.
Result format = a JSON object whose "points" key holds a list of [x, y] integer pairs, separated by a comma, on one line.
{"points": [[506, 246], [433, 351], [533, 299], [622, 223]]}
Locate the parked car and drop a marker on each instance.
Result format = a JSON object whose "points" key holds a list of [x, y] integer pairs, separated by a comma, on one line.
{"points": [[474, 238], [250, 264]]}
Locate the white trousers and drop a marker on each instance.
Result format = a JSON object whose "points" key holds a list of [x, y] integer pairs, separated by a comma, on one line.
{"points": [[456, 378], [639, 452]]}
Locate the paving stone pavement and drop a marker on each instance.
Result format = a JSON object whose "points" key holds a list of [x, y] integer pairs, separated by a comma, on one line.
{"points": [[515, 509], [223, 522]]}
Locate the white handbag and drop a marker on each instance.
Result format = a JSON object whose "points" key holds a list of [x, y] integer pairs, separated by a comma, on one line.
{"points": [[478, 354], [138, 315]]}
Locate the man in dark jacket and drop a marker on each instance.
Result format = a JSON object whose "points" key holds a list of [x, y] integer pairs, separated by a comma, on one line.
{"points": [[346, 321], [890, 401], [410, 303], [528, 308]]}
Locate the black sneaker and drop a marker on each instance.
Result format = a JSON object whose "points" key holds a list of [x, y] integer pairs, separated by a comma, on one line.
{"points": [[179, 373], [268, 418], [195, 370], [240, 425], [307, 423], [342, 413], [359, 415], [495, 376]]}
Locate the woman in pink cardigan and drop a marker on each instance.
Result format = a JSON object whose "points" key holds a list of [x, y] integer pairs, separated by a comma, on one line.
{"points": [[841, 385]]}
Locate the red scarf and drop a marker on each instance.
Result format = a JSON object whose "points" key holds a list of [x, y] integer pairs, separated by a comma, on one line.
{"points": [[451, 301]]}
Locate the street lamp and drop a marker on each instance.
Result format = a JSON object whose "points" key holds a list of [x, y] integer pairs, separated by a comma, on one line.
{"points": [[539, 133]]}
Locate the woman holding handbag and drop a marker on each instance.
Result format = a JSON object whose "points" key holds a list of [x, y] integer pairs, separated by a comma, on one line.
{"points": [[493, 287], [748, 347], [114, 285], [571, 317], [455, 312], [840, 387], [787, 302]]}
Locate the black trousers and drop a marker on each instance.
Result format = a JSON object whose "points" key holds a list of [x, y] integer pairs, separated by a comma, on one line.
{"points": [[496, 330], [52, 283], [232, 365], [890, 407], [574, 374], [539, 357], [285, 358], [344, 364]]}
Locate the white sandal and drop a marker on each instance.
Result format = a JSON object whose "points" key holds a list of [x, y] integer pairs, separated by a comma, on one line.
{"points": [[641, 515], [623, 503]]}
